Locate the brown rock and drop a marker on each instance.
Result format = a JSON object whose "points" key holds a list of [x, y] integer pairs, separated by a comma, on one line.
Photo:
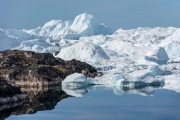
{"points": [[39, 69]]}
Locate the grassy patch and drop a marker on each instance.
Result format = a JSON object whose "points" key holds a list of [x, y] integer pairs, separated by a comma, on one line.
{"points": [[64, 70], [30, 60], [5, 71], [20, 55]]}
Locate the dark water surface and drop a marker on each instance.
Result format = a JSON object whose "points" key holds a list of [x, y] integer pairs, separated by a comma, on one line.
{"points": [[102, 104]]}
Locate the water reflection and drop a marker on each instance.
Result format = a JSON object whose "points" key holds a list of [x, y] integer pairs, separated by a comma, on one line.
{"points": [[145, 89], [7, 109], [76, 91], [41, 99]]}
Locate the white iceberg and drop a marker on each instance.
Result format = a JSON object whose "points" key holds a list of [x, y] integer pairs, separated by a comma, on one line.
{"points": [[83, 51], [75, 80], [158, 55], [83, 25]]}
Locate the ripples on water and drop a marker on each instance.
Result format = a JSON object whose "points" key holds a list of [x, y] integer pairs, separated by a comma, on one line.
{"points": [[95, 102]]}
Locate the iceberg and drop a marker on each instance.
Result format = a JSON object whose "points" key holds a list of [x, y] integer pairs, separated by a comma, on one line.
{"points": [[83, 25], [83, 51], [158, 55], [142, 54], [75, 80]]}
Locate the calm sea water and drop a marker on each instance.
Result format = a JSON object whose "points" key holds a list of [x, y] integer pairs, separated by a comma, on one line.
{"points": [[103, 104]]}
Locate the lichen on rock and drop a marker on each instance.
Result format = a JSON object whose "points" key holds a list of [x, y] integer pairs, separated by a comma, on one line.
{"points": [[27, 68]]}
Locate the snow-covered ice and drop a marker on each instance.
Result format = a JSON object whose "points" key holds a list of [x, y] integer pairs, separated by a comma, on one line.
{"points": [[83, 25], [142, 54], [75, 80], [84, 51]]}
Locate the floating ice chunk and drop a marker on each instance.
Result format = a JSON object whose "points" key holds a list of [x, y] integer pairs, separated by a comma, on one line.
{"points": [[76, 77], [75, 80], [143, 62], [175, 60], [146, 75], [158, 55], [117, 77], [154, 70], [172, 82], [172, 48]]}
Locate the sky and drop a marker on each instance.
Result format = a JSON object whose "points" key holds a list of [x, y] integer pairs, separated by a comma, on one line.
{"points": [[125, 14]]}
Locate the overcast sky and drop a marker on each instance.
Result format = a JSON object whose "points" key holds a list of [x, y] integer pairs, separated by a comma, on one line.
{"points": [[126, 14]]}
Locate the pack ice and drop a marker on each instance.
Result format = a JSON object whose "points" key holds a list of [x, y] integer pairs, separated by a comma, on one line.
{"points": [[126, 57]]}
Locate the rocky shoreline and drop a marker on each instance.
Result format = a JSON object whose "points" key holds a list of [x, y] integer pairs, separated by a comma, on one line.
{"points": [[30, 69]]}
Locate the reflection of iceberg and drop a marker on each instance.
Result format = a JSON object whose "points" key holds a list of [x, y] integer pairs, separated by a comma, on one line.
{"points": [[76, 92], [145, 91], [141, 88], [140, 84], [128, 87], [76, 84], [117, 90]]}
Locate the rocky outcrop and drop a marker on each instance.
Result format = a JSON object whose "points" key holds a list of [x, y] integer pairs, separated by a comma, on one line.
{"points": [[27, 68], [82, 67]]}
